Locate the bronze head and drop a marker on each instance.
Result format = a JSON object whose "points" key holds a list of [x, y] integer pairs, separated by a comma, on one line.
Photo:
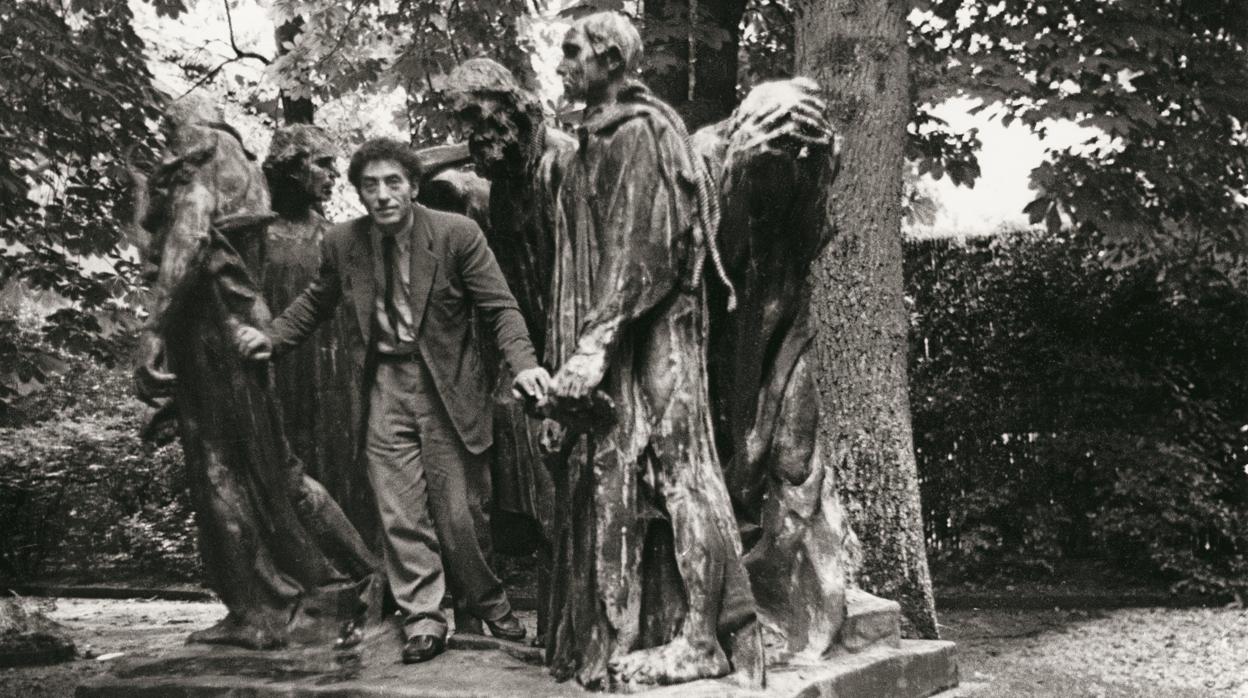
{"points": [[598, 50], [500, 119], [301, 169]]}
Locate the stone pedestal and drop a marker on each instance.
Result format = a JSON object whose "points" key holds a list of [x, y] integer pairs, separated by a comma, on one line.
{"points": [[479, 666], [28, 637]]}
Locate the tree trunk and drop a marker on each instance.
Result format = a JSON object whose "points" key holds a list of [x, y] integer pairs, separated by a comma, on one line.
{"points": [[856, 49], [713, 92], [295, 110]]}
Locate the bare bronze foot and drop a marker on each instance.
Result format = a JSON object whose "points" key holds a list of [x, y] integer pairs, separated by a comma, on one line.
{"points": [[230, 631], [676, 662]]}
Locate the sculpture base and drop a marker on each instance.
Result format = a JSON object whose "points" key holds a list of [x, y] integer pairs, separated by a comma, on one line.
{"points": [[28, 637], [372, 669]]}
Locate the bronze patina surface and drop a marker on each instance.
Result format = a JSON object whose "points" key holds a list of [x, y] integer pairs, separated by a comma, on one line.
{"points": [[277, 549]]}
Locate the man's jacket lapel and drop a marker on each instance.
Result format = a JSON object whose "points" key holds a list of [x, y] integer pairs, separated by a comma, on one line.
{"points": [[360, 268], [424, 265]]}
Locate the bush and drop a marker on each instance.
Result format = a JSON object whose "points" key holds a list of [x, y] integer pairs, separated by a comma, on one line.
{"points": [[71, 385], [1062, 409], [79, 490], [1184, 516]]}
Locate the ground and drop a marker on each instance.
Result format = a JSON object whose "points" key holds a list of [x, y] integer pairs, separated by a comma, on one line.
{"points": [[1176, 653]]}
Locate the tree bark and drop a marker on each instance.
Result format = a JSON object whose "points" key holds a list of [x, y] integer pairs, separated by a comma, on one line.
{"points": [[295, 110], [856, 50]]}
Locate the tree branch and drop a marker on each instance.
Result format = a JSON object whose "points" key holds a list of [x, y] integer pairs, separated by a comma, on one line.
{"points": [[238, 53], [208, 76]]}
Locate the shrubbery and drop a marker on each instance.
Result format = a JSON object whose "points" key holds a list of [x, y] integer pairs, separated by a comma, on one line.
{"points": [[79, 490], [1062, 410]]}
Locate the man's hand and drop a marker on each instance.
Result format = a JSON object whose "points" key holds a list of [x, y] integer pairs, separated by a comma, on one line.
{"points": [[252, 344], [580, 375], [531, 384]]}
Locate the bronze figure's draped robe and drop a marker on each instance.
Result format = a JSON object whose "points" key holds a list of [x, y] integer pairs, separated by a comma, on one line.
{"points": [[799, 549], [624, 285], [277, 549], [317, 383], [521, 234]]}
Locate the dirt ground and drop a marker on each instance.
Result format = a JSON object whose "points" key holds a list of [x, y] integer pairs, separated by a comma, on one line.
{"points": [[102, 628], [1170, 653], [1175, 653]]}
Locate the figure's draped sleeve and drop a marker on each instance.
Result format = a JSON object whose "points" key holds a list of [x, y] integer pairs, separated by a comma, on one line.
{"points": [[235, 286], [313, 306], [550, 178], [550, 171], [643, 224]]}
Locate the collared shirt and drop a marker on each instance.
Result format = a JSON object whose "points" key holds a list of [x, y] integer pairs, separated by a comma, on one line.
{"points": [[400, 340]]}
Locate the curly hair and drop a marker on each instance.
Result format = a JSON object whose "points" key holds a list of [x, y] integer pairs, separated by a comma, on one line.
{"points": [[380, 149]]}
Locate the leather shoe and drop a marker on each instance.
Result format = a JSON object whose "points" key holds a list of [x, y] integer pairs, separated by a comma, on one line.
{"points": [[506, 628], [422, 648]]}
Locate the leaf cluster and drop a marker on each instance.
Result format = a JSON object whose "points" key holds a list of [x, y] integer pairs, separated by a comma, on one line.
{"points": [[77, 96], [413, 44], [1165, 82]]}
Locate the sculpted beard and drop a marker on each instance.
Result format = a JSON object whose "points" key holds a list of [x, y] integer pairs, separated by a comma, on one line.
{"points": [[496, 145]]}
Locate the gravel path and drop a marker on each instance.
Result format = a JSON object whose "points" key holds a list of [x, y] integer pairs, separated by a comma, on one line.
{"points": [[1177, 653], [1170, 653]]}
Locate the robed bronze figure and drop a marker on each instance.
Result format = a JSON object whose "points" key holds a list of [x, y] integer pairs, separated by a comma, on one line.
{"points": [[317, 382], [277, 549]]}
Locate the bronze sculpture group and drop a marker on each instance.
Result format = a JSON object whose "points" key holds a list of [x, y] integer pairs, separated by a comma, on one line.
{"points": [[688, 525]]}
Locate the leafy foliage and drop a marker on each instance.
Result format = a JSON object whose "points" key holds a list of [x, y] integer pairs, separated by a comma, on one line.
{"points": [[78, 490], [1063, 409], [767, 39], [669, 29], [1164, 80], [411, 44], [77, 94]]}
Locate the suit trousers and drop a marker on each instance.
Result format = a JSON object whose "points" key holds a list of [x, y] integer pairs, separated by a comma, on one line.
{"points": [[429, 491]]}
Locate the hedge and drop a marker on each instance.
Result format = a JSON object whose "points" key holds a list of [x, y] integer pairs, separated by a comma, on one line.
{"points": [[1063, 409]]}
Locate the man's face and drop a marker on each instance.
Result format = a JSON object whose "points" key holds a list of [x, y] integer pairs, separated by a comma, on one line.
{"points": [[386, 192], [318, 176], [493, 136], [584, 73]]}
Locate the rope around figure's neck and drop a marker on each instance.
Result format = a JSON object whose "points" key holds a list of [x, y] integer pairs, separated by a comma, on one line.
{"points": [[708, 203]]}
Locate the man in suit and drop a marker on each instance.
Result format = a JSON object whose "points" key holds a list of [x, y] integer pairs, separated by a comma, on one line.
{"points": [[412, 276]]}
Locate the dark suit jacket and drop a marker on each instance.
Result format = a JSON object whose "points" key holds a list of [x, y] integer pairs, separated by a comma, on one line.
{"points": [[453, 271]]}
